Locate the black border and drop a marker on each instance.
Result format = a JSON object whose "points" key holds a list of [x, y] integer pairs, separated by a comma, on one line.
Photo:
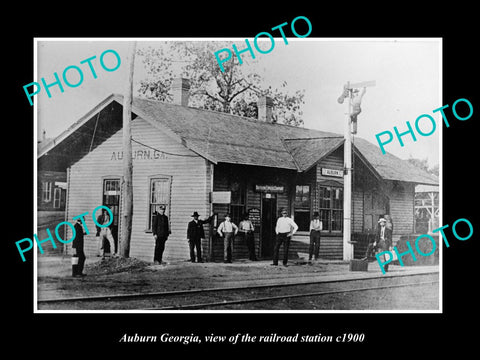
{"points": [[53, 333]]}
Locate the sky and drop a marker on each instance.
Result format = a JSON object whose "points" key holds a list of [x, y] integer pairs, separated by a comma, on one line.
{"points": [[407, 72]]}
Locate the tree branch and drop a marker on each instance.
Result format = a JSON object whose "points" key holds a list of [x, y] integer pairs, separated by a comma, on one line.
{"points": [[214, 97], [239, 92]]}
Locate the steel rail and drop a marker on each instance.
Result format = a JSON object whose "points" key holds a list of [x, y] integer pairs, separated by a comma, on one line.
{"points": [[217, 289], [282, 297]]}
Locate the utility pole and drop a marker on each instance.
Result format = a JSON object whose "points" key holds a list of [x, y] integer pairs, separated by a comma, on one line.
{"points": [[127, 209], [347, 182], [348, 93]]}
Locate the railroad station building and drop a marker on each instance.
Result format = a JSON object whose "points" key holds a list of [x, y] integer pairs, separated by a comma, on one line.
{"points": [[190, 159]]}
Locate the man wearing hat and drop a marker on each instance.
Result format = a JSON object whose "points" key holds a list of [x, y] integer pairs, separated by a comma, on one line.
{"points": [[160, 230], [195, 234], [315, 227], [246, 229], [383, 238], [77, 246], [227, 230]]}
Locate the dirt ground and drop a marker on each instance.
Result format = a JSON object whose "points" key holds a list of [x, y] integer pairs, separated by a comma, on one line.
{"points": [[133, 276], [123, 276]]}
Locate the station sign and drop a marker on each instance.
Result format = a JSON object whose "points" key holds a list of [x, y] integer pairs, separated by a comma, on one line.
{"points": [[270, 188], [332, 172], [220, 197], [254, 216]]}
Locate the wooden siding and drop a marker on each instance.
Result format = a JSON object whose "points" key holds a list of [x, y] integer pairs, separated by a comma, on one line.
{"points": [[224, 174], [190, 186], [402, 197], [401, 203], [51, 177], [331, 243], [357, 211], [331, 247], [332, 161]]}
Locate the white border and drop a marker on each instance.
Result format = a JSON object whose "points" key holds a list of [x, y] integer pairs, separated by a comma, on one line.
{"points": [[35, 272]]}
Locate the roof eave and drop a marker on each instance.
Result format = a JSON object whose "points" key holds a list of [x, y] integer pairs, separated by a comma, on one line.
{"points": [[367, 163], [77, 124], [99, 107], [325, 155]]}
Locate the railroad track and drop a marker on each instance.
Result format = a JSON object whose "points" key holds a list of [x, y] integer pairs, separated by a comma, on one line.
{"points": [[288, 296], [214, 298]]}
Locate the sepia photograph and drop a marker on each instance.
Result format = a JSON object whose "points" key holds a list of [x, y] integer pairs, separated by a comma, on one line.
{"points": [[274, 174]]}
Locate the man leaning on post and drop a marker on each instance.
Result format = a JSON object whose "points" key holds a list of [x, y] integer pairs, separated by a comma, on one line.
{"points": [[195, 234]]}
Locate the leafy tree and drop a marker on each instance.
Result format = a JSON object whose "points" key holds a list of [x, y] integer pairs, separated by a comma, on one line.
{"points": [[233, 91], [435, 170], [423, 164]]}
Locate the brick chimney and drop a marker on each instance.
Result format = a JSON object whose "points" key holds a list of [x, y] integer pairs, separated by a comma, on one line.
{"points": [[180, 89], [265, 106]]}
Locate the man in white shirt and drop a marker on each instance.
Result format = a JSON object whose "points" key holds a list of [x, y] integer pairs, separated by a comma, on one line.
{"points": [[285, 228], [227, 230], [104, 232]]}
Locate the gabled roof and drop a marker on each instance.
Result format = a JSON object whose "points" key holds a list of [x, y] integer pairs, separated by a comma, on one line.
{"points": [[427, 188], [221, 137], [389, 167], [307, 152]]}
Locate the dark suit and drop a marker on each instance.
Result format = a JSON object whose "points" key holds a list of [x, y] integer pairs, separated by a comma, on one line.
{"points": [[161, 228], [379, 244], [77, 244], [195, 234], [386, 243]]}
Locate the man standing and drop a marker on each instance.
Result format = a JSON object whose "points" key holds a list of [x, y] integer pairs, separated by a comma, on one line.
{"points": [[105, 233], [315, 228], [195, 234], [160, 230], [284, 229], [227, 230], [246, 229], [383, 239], [77, 245]]}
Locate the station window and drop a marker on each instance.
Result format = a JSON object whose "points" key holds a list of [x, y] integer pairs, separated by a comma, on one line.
{"points": [[159, 195], [301, 207], [331, 207], [111, 198], [46, 191], [57, 197], [237, 201]]}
